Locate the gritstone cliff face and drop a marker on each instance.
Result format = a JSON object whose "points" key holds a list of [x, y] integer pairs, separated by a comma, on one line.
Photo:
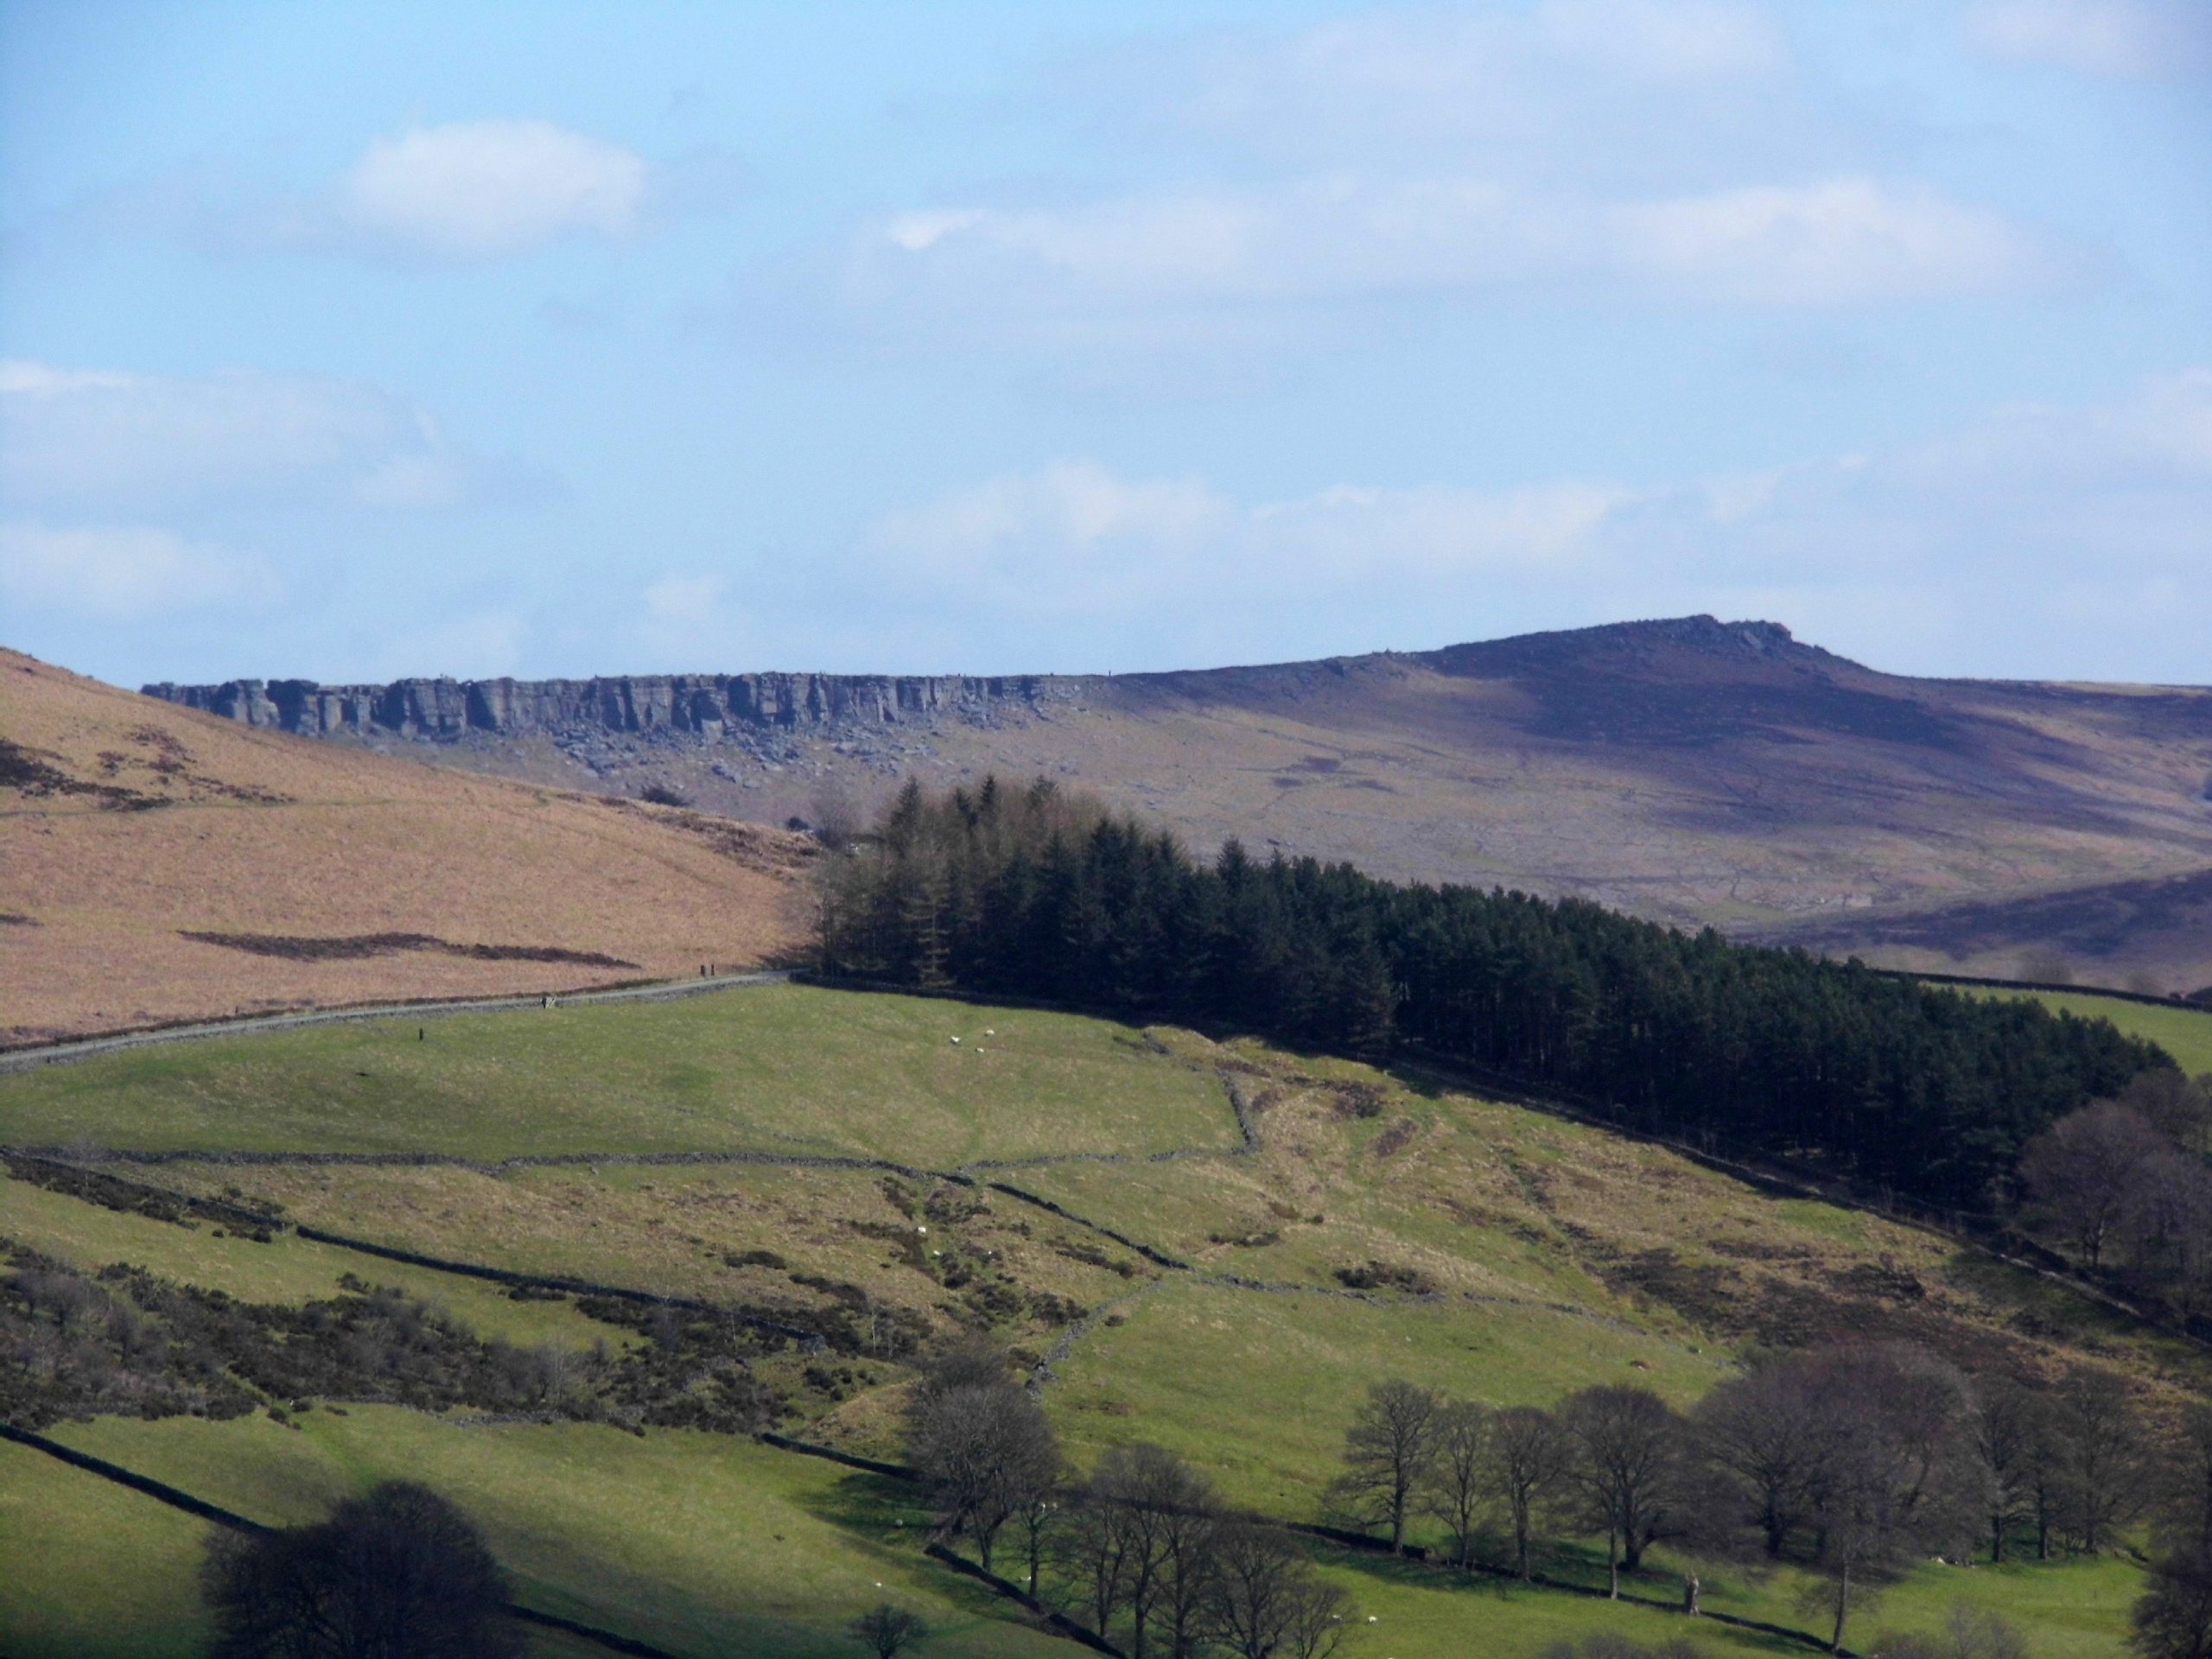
{"points": [[709, 705]]}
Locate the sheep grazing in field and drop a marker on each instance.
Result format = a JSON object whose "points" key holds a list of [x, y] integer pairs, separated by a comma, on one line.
{"points": [[955, 1042]]}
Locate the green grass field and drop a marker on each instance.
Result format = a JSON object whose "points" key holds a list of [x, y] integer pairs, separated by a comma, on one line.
{"points": [[701, 1543], [1551, 1255], [769, 1068]]}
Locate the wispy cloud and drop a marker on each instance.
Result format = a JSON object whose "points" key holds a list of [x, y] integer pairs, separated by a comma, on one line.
{"points": [[1370, 169], [1996, 522], [459, 193], [1347, 236], [125, 573], [2132, 39], [106, 441], [488, 190]]}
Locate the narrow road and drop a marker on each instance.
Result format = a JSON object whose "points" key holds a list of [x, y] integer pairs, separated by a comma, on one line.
{"points": [[84, 1048]]}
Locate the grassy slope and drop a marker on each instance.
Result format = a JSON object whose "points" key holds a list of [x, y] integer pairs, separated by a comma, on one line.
{"points": [[256, 832], [288, 1270], [702, 1543], [1539, 1236], [62, 1532], [766, 1068]]}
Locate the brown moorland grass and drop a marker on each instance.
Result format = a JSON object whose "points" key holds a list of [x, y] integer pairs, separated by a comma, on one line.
{"points": [[329, 875]]}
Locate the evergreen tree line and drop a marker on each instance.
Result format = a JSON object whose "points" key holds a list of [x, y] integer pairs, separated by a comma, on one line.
{"points": [[1040, 893]]}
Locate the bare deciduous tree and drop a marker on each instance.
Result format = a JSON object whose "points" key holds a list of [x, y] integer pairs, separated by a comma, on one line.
{"points": [[2173, 1618], [1457, 1489], [1899, 1476], [2178, 1107], [1530, 1458], [2104, 1487], [2168, 1227], [988, 1453], [887, 1630], [1133, 1518], [2186, 1494], [2005, 1430], [1268, 1601], [1627, 1441], [2081, 1172], [1387, 1452], [1766, 1432]]}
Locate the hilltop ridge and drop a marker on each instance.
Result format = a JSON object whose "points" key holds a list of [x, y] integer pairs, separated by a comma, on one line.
{"points": [[1693, 769]]}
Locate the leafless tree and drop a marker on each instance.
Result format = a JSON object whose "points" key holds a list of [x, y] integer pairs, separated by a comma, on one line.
{"points": [[1268, 1602], [1898, 1475], [2168, 1227], [2173, 1618], [2178, 1107], [989, 1453], [1766, 1432], [2006, 1431], [1627, 1443], [2081, 1172], [967, 1361], [1035, 1516], [887, 1630], [2045, 1477], [2104, 1475], [1531, 1457], [1093, 1548], [1140, 1515], [2186, 1494], [1458, 1490], [1387, 1452]]}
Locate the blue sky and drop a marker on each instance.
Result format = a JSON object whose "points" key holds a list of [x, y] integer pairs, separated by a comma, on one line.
{"points": [[352, 342]]}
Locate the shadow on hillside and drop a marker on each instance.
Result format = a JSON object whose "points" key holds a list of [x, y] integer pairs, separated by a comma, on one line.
{"points": [[868, 1511]]}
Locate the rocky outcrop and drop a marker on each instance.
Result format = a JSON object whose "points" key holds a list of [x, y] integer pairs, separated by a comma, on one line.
{"points": [[710, 705]]}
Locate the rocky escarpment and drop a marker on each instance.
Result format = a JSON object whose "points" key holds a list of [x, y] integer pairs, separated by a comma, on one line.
{"points": [[710, 706]]}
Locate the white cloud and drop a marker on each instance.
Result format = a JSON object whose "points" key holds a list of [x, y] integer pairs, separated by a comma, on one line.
{"points": [[1333, 238], [1692, 40], [1593, 90], [1075, 515], [1937, 555], [105, 441], [122, 573], [460, 192], [1075, 539], [1841, 242], [2124, 38], [488, 190]]}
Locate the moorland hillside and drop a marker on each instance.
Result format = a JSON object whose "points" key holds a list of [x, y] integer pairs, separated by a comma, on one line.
{"points": [[1213, 1245], [158, 864], [1690, 770]]}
